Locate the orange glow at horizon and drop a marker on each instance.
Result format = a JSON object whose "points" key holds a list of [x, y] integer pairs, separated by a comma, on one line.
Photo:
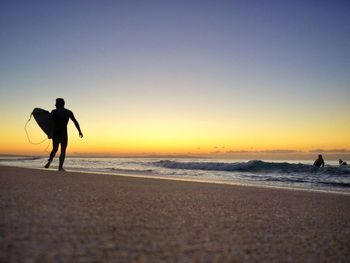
{"points": [[176, 137], [171, 130]]}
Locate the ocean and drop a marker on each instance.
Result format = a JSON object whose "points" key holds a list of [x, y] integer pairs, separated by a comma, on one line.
{"points": [[266, 173]]}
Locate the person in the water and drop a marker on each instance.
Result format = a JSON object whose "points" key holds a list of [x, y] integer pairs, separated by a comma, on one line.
{"points": [[319, 161], [342, 163]]}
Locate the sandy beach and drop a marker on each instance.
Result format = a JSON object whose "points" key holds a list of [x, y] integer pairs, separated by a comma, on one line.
{"points": [[49, 216]]}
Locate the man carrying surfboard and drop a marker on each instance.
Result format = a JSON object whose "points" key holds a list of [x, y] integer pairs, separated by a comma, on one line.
{"points": [[60, 117]]}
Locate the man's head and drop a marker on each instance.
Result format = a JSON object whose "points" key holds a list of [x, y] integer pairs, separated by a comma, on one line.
{"points": [[59, 103]]}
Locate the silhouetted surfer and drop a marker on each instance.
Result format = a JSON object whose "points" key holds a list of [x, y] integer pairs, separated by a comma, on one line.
{"points": [[319, 161], [60, 117], [342, 163]]}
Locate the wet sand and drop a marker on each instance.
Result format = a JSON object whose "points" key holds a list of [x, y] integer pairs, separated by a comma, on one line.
{"points": [[49, 216]]}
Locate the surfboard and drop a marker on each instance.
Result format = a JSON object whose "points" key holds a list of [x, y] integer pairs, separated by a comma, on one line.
{"points": [[44, 120]]}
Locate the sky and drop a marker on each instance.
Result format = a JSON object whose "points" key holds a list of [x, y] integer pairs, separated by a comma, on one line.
{"points": [[179, 77]]}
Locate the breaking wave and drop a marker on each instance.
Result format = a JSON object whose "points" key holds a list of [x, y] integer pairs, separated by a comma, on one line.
{"points": [[16, 159], [256, 166]]}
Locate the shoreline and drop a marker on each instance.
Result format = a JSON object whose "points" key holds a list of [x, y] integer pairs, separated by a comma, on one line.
{"points": [[208, 181], [196, 180], [51, 216]]}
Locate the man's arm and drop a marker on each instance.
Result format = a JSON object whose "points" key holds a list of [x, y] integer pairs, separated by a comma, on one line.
{"points": [[76, 124]]}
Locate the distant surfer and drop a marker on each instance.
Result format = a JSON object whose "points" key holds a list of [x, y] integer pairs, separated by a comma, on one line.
{"points": [[60, 117], [319, 161], [342, 163]]}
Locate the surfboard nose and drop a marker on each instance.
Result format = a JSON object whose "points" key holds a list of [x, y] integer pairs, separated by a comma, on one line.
{"points": [[44, 120]]}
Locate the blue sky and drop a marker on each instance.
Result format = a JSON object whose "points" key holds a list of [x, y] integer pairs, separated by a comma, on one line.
{"points": [[215, 62]]}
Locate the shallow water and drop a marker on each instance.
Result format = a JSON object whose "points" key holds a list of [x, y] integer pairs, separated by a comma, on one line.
{"points": [[291, 174]]}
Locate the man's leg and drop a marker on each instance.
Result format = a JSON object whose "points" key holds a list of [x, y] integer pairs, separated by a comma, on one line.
{"points": [[55, 143], [64, 144]]}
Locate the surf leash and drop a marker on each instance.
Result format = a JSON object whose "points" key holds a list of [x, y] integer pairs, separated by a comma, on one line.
{"points": [[29, 140]]}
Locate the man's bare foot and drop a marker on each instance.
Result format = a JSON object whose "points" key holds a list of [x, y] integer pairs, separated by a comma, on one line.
{"points": [[48, 164]]}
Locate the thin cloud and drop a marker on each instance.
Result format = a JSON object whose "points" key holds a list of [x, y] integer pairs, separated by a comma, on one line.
{"points": [[274, 151], [240, 151], [330, 151], [280, 151]]}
